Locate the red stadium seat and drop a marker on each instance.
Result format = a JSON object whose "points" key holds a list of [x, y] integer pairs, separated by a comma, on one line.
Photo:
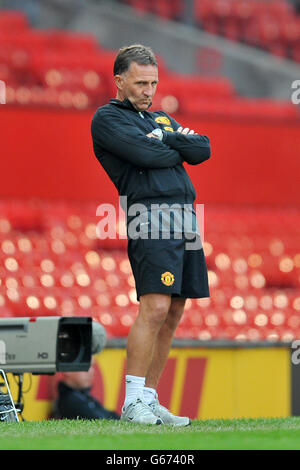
{"points": [[13, 21]]}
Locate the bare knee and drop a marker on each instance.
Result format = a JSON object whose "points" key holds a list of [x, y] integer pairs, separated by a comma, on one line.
{"points": [[154, 308], [175, 313]]}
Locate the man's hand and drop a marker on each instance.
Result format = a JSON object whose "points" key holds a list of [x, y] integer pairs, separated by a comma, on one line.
{"points": [[181, 130], [186, 130], [157, 133], [152, 135]]}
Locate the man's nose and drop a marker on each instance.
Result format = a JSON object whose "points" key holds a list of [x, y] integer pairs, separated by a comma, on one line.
{"points": [[148, 91]]}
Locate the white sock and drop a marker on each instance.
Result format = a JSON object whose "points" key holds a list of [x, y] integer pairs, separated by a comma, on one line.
{"points": [[134, 388], [149, 395]]}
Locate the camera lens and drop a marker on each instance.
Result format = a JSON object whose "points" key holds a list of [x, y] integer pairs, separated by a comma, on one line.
{"points": [[68, 343]]}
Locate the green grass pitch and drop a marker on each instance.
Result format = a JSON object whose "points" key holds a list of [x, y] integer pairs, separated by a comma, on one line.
{"points": [[271, 433]]}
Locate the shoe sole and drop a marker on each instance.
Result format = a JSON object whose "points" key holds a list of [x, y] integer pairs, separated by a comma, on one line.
{"points": [[158, 422], [178, 425]]}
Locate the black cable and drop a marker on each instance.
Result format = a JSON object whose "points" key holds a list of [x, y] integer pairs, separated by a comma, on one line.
{"points": [[20, 403]]}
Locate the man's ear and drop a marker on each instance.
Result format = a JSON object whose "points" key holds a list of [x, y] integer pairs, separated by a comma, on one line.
{"points": [[119, 81]]}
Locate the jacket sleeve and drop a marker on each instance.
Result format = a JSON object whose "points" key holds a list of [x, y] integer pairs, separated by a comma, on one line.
{"points": [[194, 148], [124, 140]]}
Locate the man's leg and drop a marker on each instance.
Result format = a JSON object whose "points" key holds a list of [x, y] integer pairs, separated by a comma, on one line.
{"points": [[143, 334], [140, 346], [163, 342], [160, 355]]}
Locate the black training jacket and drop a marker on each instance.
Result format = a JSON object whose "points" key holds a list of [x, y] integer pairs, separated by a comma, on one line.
{"points": [[144, 169]]}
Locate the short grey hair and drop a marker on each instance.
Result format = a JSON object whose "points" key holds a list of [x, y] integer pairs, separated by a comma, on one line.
{"points": [[142, 55]]}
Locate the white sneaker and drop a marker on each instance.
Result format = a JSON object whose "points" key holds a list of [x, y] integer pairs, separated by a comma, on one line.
{"points": [[139, 412], [166, 416]]}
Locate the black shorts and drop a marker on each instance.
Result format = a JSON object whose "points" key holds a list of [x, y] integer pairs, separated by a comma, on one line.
{"points": [[167, 267]]}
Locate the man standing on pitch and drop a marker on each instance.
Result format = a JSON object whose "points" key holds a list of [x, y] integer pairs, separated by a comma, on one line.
{"points": [[143, 154]]}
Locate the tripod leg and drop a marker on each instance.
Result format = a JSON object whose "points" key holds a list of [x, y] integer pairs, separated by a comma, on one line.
{"points": [[13, 408]]}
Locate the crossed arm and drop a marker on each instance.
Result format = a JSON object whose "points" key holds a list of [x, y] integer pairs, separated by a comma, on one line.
{"points": [[128, 143], [193, 148]]}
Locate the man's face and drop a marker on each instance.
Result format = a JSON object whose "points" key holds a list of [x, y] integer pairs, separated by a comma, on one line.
{"points": [[138, 84]]}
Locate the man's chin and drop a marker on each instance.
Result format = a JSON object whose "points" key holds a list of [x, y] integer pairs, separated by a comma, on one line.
{"points": [[144, 107]]}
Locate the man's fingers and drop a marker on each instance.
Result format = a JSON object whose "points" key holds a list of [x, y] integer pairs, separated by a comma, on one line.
{"points": [[186, 130]]}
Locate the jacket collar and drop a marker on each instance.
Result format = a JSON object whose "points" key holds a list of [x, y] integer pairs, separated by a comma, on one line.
{"points": [[123, 104]]}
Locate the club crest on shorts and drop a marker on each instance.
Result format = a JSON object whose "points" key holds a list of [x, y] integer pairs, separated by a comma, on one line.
{"points": [[167, 278]]}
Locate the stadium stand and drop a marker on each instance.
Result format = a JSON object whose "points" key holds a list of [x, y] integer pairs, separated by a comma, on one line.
{"points": [[72, 71], [272, 25], [52, 262]]}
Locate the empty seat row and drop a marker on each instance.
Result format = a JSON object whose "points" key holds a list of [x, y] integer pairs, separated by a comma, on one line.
{"points": [[272, 25], [51, 263], [69, 70]]}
